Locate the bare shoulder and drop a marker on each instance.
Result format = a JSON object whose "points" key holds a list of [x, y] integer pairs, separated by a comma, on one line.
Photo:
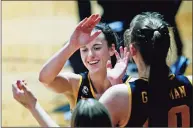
{"points": [[66, 82], [72, 78], [116, 100], [133, 79], [116, 92]]}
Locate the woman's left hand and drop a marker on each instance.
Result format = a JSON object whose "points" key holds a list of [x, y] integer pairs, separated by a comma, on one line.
{"points": [[116, 74]]}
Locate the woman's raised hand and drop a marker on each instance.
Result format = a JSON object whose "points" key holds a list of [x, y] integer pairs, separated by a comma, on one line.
{"points": [[82, 33], [116, 74], [23, 94]]}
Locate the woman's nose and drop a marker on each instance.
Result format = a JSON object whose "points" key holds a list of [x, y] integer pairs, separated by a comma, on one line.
{"points": [[90, 53]]}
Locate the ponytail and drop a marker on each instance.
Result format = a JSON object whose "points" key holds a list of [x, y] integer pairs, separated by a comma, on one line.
{"points": [[149, 33], [158, 84]]}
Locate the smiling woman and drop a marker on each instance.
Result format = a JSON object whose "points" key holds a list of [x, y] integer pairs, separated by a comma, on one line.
{"points": [[96, 50], [53, 21], [94, 54]]}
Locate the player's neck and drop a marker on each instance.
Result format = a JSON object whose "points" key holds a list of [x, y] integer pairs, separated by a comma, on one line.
{"points": [[100, 82], [143, 69]]}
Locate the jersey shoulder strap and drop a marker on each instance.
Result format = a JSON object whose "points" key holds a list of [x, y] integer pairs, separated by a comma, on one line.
{"points": [[126, 78], [84, 89]]}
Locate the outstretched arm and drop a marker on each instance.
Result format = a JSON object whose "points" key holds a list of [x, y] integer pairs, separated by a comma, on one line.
{"points": [[49, 74], [25, 97], [42, 117]]}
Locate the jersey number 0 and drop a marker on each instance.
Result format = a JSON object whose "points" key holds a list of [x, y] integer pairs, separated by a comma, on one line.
{"points": [[179, 116]]}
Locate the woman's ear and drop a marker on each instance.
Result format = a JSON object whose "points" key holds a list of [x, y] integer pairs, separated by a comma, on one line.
{"points": [[111, 51], [132, 49]]}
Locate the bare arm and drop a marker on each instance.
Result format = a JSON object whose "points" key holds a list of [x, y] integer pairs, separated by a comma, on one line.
{"points": [[116, 100], [55, 64], [49, 75], [42, 117], [25, 97]]}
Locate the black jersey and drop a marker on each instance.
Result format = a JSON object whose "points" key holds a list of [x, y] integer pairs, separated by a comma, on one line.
{"points": [[180, 102], [87, 90]]}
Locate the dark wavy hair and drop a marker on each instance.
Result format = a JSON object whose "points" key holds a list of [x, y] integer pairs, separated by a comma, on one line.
{"points": [[90, 113], [110, 36], [149, 33]]}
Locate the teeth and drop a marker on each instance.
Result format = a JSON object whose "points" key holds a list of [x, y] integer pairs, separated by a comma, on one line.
{"points": [[93, 62]]}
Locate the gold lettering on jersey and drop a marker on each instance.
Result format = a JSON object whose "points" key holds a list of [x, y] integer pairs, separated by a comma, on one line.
{"points": [[182, 91], [171, 95], [144, 97], [178, 92], [175, 93]]}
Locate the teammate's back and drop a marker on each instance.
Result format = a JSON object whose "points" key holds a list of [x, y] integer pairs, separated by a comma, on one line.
{"points": [[180, 102], [153, 99], [179, 105]]}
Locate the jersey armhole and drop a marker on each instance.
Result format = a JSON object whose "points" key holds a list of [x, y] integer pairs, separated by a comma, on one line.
{"points": [[127, 80], [130, 103], [76, 93]]}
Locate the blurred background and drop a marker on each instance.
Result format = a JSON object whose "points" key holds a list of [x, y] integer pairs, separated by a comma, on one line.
{"points": [[32, 31]]}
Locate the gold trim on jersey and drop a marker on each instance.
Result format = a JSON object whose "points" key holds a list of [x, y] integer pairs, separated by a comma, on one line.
{"points": [[130, 104], [76, 94], [128, 79], [91, 88], [171, 76], [145, 79]]}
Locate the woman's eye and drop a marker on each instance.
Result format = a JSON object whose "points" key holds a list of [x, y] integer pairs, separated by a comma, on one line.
{"points": [[84, 50], [97, 48]]}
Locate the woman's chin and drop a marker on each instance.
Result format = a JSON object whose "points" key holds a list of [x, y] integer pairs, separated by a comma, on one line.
{"points": [[94, 70]]}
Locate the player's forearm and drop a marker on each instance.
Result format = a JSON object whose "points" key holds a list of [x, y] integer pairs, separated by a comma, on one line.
{"points": [[55, 64], [42, 117]]}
